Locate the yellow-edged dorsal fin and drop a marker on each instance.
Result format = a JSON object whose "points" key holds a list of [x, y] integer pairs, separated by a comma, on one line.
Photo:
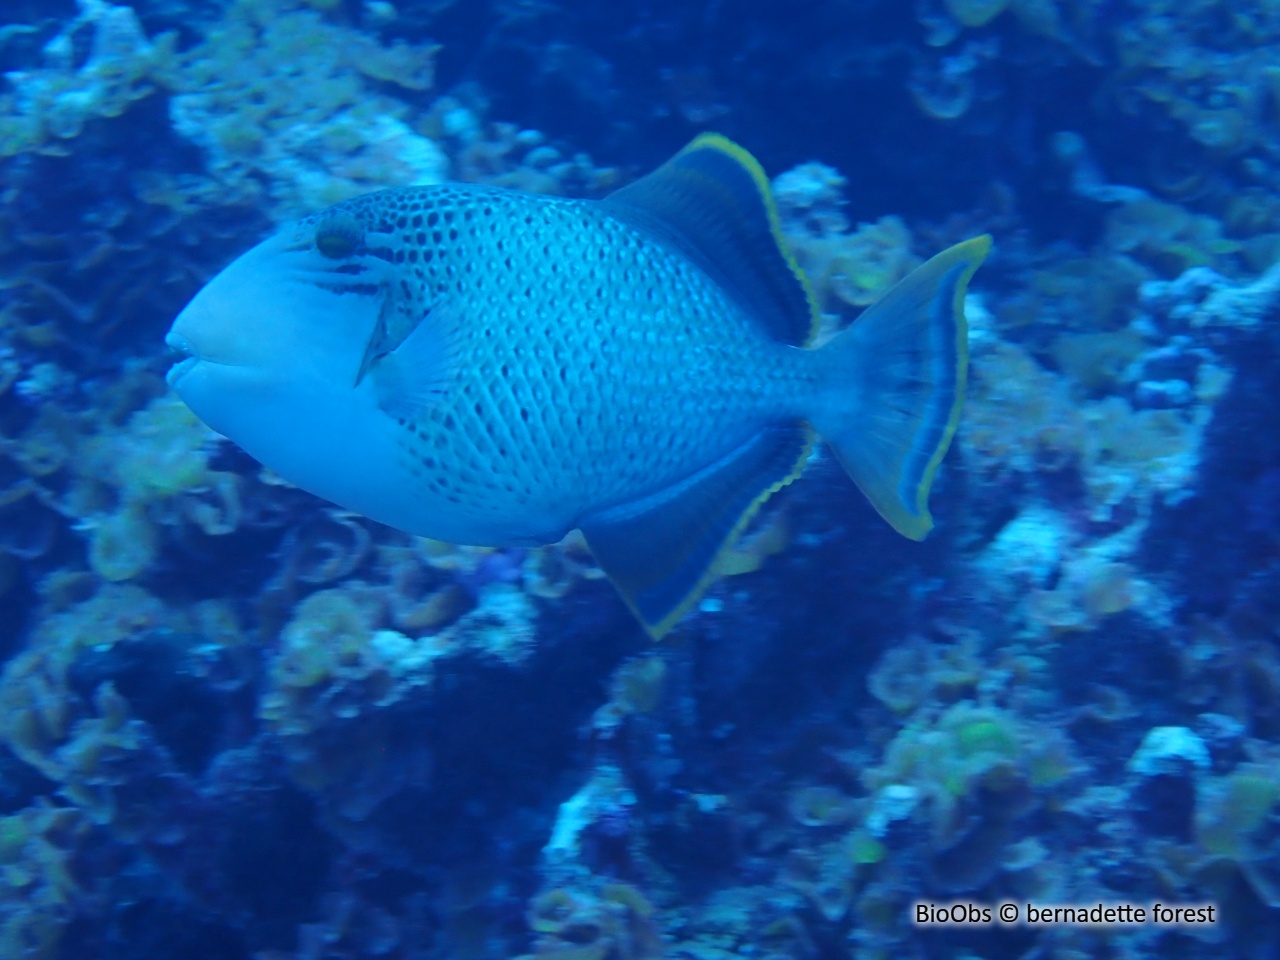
{"points": [[712, 202]]}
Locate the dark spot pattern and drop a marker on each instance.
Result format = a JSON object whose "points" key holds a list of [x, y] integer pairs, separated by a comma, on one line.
{"points": [[597, 365]]}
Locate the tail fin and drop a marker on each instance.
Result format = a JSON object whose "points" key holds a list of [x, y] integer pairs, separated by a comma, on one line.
{"points": [[899, 378]]}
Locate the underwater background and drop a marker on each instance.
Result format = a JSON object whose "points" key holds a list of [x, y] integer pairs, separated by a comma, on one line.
{"points": [[237, 723]]}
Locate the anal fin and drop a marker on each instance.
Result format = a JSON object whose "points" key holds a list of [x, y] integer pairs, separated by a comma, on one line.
{"points": [[660, 551]]}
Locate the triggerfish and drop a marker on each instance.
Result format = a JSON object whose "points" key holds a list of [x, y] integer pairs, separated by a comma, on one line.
{"points": [[489, 367]]}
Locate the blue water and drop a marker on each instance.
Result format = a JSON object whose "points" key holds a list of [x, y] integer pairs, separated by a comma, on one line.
{"points": [[237, 723]]}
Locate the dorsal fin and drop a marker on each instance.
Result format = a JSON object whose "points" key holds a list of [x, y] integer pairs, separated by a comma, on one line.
{"points": [[712, 202]]}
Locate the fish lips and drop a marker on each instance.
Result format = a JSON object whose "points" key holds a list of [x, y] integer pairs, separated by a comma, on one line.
{"points": [[187, 358]]}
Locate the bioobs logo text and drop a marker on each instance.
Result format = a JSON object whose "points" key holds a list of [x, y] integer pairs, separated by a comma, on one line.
{"points": [[955, 913]]}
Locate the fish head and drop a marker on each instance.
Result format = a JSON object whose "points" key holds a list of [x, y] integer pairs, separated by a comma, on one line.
{"points": [[273, 345]]}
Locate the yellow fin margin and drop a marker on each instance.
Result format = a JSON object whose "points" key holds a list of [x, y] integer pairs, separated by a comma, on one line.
{"points": [[661, 628], [744, 158]]}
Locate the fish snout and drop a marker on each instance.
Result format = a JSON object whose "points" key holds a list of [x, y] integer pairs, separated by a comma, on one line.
{"points": [[183, 352]]}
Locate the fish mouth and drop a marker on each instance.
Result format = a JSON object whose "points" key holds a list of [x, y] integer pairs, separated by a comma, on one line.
{"points": [[181, 349]]}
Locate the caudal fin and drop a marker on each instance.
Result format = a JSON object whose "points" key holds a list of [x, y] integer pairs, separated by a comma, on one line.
{"points": [[898, 381]]}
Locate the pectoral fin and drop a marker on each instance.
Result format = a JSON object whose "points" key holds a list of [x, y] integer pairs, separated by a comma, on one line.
{"points": [[420, 371]]}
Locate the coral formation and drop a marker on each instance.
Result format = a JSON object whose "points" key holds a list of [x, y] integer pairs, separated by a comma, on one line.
{"points": [[278, 97], [236, 722], [38, 889], [615, 922], [227, 97], [54, 101], [72, 739], [847, 269]]}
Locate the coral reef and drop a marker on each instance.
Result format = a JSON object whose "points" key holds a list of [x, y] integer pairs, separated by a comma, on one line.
{"points": [[36, 845], [55, 101], [846, 269], [227, 97], [238, 723], [278, 97]]}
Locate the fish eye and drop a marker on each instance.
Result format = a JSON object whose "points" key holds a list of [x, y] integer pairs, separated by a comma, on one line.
{"points": [[339, 236]]}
